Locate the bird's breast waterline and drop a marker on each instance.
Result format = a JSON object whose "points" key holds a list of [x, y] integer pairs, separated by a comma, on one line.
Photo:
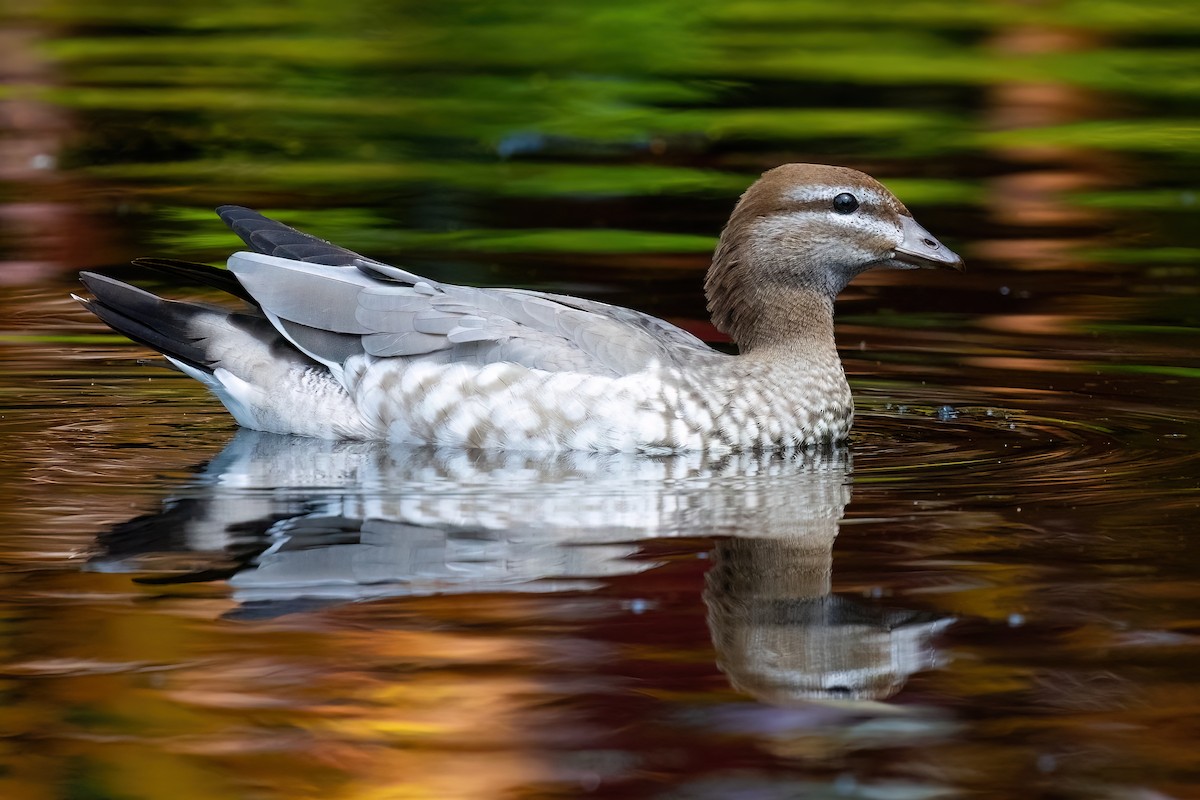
{"points": [[659, 409]]}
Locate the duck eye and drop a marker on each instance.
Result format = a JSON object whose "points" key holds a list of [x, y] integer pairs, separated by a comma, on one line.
{"points": [[845, 203]]}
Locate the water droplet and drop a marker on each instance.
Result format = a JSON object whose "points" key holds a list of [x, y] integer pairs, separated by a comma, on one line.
{"points": [[946, 413], [1004, 290], [1016, 620]]}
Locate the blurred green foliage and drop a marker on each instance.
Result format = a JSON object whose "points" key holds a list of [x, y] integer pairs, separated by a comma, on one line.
{"points": [[478, 107]]}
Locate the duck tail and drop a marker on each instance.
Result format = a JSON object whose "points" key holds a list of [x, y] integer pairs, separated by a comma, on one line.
{"points": [[167, 326]]}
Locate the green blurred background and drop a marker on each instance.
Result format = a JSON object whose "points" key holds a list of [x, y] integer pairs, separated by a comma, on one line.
{"points": [[518, 141]]}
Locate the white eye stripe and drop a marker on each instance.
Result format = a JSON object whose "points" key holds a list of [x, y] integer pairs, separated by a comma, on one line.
{"points": [[863, 223], [810, 193]]}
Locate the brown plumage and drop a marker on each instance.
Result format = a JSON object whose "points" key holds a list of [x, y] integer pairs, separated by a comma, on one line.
{"points": [[744, 283]]}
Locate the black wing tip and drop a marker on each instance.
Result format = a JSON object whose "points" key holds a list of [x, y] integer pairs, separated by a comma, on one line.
{"points": [[274, 238], [229, 209], [240, 219]]}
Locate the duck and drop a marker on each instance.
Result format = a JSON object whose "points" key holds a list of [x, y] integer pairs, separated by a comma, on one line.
{"points": [[335, 345]]}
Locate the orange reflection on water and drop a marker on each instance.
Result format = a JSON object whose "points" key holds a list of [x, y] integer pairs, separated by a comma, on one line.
{"points": [[321, 707]]}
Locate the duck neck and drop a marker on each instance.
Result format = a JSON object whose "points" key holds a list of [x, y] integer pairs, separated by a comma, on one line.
{"points": [[793, 324], [759, 301]]}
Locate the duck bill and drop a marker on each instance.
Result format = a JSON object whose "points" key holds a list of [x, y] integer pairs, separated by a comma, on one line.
{"points": [[921, 250]]}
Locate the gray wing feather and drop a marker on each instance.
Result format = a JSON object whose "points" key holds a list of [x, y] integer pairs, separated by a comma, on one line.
{"points": [[439, 322], [409, 343], [329, 347], [464, 335], [333, 312], [312, 294], [389, 299], [378, 269], [659, 328]]}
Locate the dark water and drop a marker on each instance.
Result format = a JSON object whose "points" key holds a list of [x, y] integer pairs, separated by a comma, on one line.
{"points": [[992, 592]]}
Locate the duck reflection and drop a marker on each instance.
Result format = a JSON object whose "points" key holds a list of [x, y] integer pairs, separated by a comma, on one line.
{"points": [[294, 522], [782, 636]]}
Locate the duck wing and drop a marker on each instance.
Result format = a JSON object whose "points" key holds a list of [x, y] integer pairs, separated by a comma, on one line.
{"points": [[273, 238], [333, 303]]}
